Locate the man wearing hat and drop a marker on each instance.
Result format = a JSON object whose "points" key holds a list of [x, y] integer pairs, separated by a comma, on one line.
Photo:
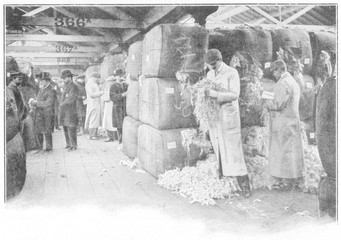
{"points": [[225, 133], [286, 147], [81, 106], [118, 93], [44, 111], [93, 109], [68, 110]]}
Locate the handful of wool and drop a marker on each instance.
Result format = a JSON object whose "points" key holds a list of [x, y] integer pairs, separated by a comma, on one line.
{"points": [[201, 183], [195, 137], [206, 109]]}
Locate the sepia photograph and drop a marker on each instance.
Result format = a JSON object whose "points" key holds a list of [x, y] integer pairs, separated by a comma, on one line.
{"points": [[147, 120]]}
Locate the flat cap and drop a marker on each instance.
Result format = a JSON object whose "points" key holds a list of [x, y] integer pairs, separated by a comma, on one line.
{"points": [[66, 73]]}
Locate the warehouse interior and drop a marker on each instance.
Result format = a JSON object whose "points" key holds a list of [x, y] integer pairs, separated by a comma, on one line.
{"points": [[166, 161]]}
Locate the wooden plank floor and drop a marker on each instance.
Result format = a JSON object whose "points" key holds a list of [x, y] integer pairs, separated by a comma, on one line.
{"points": [[93, 175]]}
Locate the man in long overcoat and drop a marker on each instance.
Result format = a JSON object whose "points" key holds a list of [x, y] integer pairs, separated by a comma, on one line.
{"points": [[118, 93], [93, 108], [286, 146], [225, 133], [44, 112], [68, 110], [81, 106]]}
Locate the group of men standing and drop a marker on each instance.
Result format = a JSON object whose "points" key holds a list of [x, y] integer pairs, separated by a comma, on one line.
{"points": [[79, 107], [286, 160]]}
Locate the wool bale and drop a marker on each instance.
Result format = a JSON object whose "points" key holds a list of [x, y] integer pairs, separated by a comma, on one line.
{"points": [[297, 43], [111, 63], [162, 106], [11, 66], [134, 60], [168, 48], [15, 166], [306, 105], [159, 151], [132, 103], [326, 41], [327, 196], [129, 137], [309, 130], [326, 126], [25, 67], [12, 122], [256, 42]]}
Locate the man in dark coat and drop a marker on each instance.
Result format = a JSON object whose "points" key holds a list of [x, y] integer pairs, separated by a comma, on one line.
{"points": [[118, 93], [58, 90], [81, 106], [68, 110], [44, 111]]}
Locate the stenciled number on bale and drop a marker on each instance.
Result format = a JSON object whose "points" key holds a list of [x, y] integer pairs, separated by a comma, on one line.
{"points": [[65, 49], [71, 22]]}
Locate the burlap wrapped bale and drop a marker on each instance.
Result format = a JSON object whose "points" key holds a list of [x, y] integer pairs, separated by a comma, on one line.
{"points": [[15, 166], [162, 106], [129, 137], [111, 63], [132, 103], [134, 60], [327, 196], [169, 48], [326, 126], [11, 66], [297, 42], [306, 105], [257, 42], [159, 151], [25, 67], [326, 41]]}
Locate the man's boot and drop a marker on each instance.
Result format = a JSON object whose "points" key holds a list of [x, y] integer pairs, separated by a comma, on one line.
{"points": [[244, 184]]}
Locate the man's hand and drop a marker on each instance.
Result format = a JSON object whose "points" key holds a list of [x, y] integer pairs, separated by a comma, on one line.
{"points": [[211, 93], [124, 94]]}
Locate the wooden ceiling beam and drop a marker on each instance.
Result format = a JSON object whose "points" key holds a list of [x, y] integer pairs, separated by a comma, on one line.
{"points": [[115, 12], [82, 22], [52, 55], [230, 13], [297, 15], [264, 14], [58, 38], [53, 49], [35, 11], [277, 14]]}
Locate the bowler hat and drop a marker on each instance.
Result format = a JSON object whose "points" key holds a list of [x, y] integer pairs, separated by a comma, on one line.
{"points": [[118, 72], [212, 55], [46, 76], [66, 73], [12, 74]]}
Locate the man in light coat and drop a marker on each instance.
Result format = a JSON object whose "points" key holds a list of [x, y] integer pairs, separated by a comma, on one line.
{"points": [[93, 109], [68, 111], [286, 146], [225, 133]]}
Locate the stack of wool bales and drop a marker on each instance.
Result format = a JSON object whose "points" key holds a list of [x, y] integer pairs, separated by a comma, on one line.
{"points": [[167, 48], [131, 121], [110, 63]]}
